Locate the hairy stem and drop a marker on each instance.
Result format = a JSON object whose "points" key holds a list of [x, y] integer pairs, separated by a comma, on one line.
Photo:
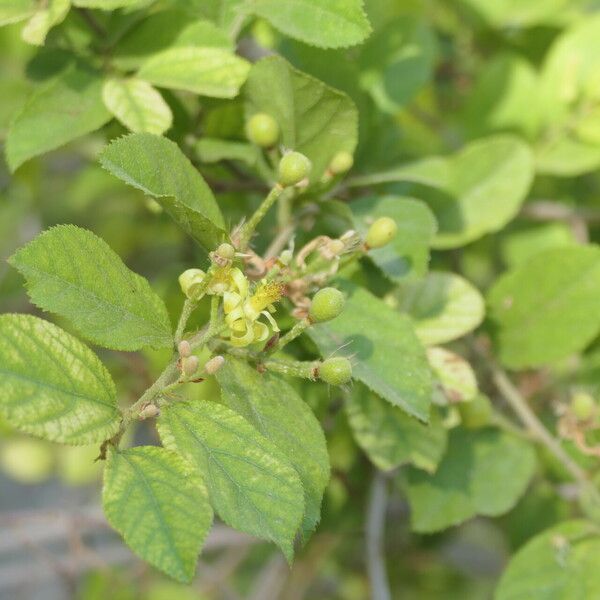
{"points": [[291, 335], [188, 307], [257, 217], [378, 496]]}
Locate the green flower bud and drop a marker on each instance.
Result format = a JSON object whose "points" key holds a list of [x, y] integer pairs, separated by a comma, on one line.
{"points": [[336, 371], [184, 349], [262, 129], [381, 232], [190, 280], [293, 168], [341, 163], [583, 406], [326, 304], [226, 251]]}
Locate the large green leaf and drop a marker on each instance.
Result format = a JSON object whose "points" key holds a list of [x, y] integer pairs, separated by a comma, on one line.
{"points": [[546, 308], [324, 23], [72, 272], [137, 105], [62, 110], [408, 254], [314, 118], [389, 358], [251, 484], [277, 411], [476, 191], [484, 472], [53, 386], [206, 71], [389, 436], [443, 306], [559, 564], [157, 166], [159, 506]]}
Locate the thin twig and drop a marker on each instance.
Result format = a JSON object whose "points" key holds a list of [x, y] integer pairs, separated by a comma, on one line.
{"points": [[376, 511]]}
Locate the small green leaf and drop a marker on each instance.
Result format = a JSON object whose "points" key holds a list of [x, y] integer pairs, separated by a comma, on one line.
{"points": [[73, 273], [13, 11], [38, 26], [443, 306], [137, 105], [389, 436], [408, 253], [466, 482], [559, 564], [60, 111], [388, 357], [314, 119], [251, 484], [277, 411], [206, 71], [324, 23], [546, 308], [53, 386], [157, 167], [159, 506]]}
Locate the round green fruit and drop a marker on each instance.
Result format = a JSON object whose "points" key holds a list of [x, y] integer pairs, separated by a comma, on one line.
{"points": [[293, 168], [583, 406], [327, 304], [341, 163], [381, 232], [336, 371], [262, 130]]}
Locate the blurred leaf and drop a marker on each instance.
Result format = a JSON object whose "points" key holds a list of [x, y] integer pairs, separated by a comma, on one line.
{"points": [[443, 306], [484, 472], [53, 386], [211, 150], [159, 506], [516, 13], [388, 357], [109, 4], [62, 110], [408, 253], [454, 375], [561, 563], [389, 436], [314, 119], [13, 11], [159, 168], [276, 410], [37, 28], [137, 105], [545, 309], [73, 273], [251, 484]]}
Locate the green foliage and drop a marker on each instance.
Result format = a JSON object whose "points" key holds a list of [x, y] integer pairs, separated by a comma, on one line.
{"points": [[72, 272]]}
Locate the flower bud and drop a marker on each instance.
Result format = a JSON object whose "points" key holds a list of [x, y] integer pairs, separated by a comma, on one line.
{"points": [[293, 168], [262, 129], [149, 411], [189, 365], [226, 251], [341, 162], [381, 232], [583, 406], [336, 371], [285, 258], [214, 364], [326, 304], [190, 281], [184, 349]]}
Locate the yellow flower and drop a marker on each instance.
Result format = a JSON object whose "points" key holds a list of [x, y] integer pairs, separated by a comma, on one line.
{"points": [[243, 310]]}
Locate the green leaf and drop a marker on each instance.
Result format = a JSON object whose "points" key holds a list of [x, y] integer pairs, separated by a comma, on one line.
{"points": [[564, 155], [455, 376], [211, 150], [206, 71], [159, 506], [388, 356], [38, 26], [60, 111], [137, 105], [157, 166], [397, 61], [13, 11], [515, 14], [277, 411], [443, 306], [251, 484], [109, 4], [476, 191], [389, 436], [53, 386], [546, 308], [484, 472], [559, 564], [408, 254], [314, 119], [75, 274], [323, 23]]}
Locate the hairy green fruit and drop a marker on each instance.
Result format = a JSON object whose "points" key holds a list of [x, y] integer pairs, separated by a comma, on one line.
{"points": [[293, 168], [327, 304], [262, 130], [583, 406], [381, 232], [336, 371], [341, 163]]}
